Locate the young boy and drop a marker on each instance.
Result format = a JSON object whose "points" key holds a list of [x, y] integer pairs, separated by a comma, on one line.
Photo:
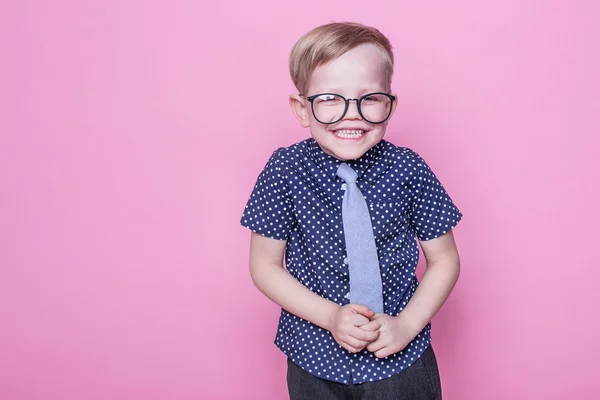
{"points": [[344, 208]]}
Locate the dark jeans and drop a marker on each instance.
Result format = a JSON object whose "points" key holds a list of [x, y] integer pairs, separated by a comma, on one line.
{"points": [[420, 381]]}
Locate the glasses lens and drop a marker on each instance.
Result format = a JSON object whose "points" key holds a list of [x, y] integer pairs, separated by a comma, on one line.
{"points": [[376, 107], [328, 108]]}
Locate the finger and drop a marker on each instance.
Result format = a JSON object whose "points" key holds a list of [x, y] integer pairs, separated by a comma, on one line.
{"points": [[360, 334], [363, 310], [372, 325], [355, 343], [358, 319], [351, 349], [382, 353], [376, 345]]}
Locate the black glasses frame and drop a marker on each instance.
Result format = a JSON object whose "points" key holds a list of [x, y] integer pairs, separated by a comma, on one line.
{"points": [[347, 101]]}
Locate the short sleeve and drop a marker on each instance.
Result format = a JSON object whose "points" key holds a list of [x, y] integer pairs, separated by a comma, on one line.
{"points": [[433, 213], [269, 210]]}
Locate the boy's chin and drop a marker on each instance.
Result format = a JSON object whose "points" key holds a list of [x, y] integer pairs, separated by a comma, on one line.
{"points": [[347, 154]]}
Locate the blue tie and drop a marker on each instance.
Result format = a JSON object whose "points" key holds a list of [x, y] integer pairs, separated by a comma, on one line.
{"points": [[363, 263]]}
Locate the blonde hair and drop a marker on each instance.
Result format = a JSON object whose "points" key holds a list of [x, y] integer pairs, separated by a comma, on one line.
{"points": [[327, 42]]}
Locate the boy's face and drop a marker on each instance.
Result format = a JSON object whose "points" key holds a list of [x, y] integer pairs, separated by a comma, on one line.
{"points": [[355, 73]]}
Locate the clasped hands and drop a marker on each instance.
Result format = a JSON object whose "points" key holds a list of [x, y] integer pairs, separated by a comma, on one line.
{"points": [[356, 327]]}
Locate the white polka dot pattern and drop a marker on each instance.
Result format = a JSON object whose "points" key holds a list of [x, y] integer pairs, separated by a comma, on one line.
{"points": [[298, 198]]}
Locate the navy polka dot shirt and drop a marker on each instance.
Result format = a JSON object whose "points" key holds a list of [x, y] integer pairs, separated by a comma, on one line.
{"points": [[298, 198]]}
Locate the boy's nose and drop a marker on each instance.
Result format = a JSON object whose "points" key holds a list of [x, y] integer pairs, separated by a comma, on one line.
{"points": [[352, 112]]}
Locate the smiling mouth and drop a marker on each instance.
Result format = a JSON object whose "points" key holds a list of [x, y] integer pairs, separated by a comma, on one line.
{"points": [[349, 133]]}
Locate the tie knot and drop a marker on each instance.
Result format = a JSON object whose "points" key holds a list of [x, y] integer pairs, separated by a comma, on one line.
{"points": [[347, 173]]}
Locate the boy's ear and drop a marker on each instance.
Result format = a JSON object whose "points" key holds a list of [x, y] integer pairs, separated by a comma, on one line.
{"points": [[394, 105], [299, 108]]}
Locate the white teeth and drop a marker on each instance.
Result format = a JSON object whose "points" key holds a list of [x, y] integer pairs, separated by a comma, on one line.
{"points": [[349, 133]]}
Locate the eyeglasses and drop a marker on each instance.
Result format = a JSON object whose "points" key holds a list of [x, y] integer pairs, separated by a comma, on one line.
{"points": [[329, 108]]}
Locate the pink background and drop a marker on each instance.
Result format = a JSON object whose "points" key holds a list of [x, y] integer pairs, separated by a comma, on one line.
{"points": [[132, 133]]}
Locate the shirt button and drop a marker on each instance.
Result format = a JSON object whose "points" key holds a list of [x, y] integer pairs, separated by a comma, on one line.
{"points": [[346, 261], [344, 186], [347, 295]]}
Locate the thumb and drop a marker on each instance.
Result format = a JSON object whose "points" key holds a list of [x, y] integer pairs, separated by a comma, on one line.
{"points": [[372, 325], [363, 310]]}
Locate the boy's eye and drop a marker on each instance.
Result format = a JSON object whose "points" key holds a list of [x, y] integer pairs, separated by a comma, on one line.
{"points": [[372, 99], [327, 98]]}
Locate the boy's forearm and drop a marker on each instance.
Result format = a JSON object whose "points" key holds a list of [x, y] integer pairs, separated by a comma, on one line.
{"points": [[433, 290], [283, 289]]}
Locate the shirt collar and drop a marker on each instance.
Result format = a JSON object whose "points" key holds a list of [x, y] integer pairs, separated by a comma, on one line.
{"points": [[330, 164]]}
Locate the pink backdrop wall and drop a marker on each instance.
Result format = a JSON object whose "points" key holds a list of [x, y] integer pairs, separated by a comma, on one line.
{"points": [[131, 134]]}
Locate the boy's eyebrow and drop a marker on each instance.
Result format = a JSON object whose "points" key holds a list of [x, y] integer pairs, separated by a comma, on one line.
{"points": [[327, 90], [339, 91]]}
